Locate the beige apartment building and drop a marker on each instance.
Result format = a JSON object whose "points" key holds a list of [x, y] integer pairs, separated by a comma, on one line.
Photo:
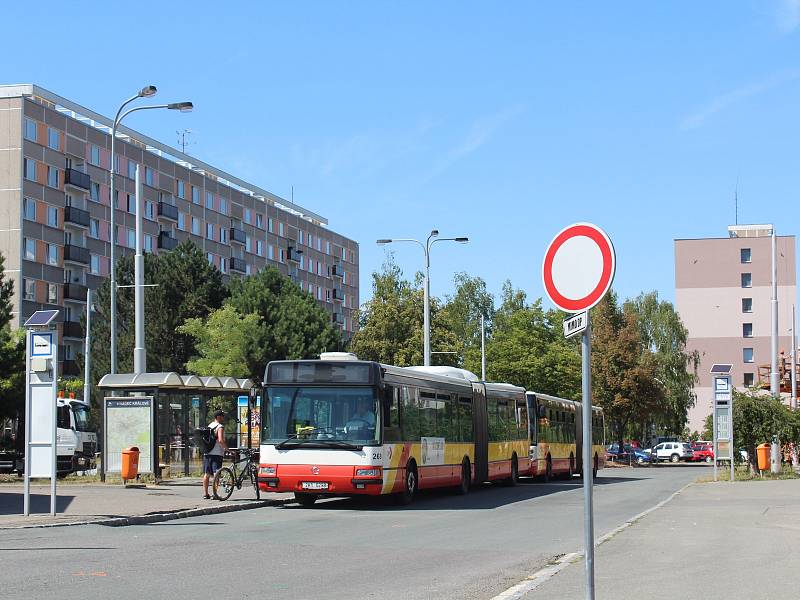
{"points": [[723, 292], [55, 209]]}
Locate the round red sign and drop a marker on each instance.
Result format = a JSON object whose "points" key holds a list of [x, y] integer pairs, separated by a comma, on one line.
{"points": [[578, 267]]}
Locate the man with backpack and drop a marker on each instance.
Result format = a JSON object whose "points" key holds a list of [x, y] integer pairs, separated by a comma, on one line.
{"points": [[212, 457]]}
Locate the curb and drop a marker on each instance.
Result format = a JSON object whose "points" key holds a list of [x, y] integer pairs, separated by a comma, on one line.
{"points": [[158, 517]]}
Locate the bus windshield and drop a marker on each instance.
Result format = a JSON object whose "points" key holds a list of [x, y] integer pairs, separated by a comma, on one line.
{"points": [[321, 416]]}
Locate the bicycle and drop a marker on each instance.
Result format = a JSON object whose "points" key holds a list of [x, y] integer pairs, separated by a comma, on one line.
{"points": [[228, 478]]}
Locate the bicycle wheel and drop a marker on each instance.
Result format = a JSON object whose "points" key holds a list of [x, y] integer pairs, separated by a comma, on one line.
{"points": [[224, 482], [254, 479]]}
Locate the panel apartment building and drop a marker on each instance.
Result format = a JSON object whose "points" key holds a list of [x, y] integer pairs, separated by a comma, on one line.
{"points": [[723, 292], [55, 230]]}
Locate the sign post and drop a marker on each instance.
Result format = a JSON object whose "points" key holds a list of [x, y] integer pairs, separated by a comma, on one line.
{"points": [[723, 416], [577, 271], [41, 381]]}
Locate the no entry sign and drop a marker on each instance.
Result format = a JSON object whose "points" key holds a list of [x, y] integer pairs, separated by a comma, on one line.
{"points": [[578, 267]]}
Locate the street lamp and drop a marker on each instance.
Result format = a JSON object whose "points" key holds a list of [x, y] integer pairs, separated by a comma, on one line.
{"points": [[426, 249], [146, 92]]}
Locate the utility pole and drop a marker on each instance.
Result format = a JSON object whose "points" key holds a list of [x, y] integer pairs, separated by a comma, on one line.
{"points": [[87, 352], [139, 351], [483, 350], [793, 402], [774, 382]]}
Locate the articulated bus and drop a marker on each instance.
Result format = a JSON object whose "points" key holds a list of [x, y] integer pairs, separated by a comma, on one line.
{"points": [[556, 436], [340, 426]]}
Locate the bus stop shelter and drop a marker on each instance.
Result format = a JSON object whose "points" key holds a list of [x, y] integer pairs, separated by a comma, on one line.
{"points": [[180, 404]]}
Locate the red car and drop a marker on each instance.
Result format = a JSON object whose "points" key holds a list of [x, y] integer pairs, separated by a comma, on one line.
{"points": [[703, 453]]}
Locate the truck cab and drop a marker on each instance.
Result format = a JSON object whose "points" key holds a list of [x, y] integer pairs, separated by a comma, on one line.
{"points": [[76, 438]]}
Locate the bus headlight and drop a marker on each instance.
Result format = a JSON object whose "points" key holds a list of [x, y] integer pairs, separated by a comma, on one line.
{"points": [[374, 472], [267, 470]]}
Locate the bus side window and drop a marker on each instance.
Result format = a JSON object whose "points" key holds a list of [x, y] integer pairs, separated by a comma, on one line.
{"points": [[391, 415], [410, 410], [522, 420], [465, 419]]}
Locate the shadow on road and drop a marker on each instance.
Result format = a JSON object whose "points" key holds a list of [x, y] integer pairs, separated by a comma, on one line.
{"points": [[484, 496], [11, 503]]}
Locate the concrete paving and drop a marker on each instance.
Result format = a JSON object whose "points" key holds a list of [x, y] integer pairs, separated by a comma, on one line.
{"points": [[443, 546], [712, 541], [116, 505]]}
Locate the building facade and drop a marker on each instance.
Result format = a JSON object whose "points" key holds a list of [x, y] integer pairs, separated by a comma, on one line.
{"points": [[723, 292], [55, 209]]}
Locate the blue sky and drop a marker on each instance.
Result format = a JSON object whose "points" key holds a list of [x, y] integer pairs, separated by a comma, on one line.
{"points": [[502, 122]]}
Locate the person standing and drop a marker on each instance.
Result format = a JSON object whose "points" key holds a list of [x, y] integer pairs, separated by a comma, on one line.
{"points": [[212, 461]]}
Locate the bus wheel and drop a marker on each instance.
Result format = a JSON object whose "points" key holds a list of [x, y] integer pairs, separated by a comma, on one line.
{"points": [[305, 500], [466, 477], [548, 470], [514, 479], [411, 483]]}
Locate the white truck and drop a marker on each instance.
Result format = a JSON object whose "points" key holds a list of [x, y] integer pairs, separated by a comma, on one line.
{"points": [[76, 439]]}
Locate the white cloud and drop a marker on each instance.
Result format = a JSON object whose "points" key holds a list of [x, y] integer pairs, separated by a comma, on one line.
{"points": [[719, 103]]}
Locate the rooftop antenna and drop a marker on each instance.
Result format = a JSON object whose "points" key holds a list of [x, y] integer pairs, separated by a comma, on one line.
{"points": [[736, 199], [183, 139], [292, 194]]}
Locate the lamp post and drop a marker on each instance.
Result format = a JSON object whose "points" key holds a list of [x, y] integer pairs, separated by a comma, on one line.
{"points": [[146, 92], [426, 249]]}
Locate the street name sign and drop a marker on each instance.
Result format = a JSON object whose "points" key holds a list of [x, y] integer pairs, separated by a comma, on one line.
{"points": [[578, 267], [574, 325]]}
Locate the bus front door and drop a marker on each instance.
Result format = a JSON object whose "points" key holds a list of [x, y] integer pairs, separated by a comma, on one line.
{"points": [[480, 427]]}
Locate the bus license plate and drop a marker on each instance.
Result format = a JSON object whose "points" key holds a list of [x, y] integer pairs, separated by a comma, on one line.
{"points": [[314, 485]]}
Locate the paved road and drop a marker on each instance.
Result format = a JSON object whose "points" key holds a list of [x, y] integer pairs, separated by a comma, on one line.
{"points": [[443, 546]]}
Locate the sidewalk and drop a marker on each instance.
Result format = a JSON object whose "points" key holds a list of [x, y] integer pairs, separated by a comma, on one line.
{"points": [[712, 541], [116, 505]]}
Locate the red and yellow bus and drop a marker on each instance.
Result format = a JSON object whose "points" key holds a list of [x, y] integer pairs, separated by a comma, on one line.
{"points": [[340, 426]]}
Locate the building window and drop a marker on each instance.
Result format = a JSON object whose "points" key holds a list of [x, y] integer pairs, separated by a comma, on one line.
{"points": [[209, 201], [195, 226], [248, 215], [281, 255], [149, 210], [280, 229], [131, 169], [94, 228], [94, 156], [131, 238], [95, 264], [52, 216], [223, 206], [270, 224], [29, 208], [749, 379], [53, 140], [747, 330], [209, 231], [148, 176], [52, 293], [222, 265], [745, 255], [248, 243], [30, 130], [148, 243], [195, 194], [260, 248], [181, 189], [181, 221], [223, 235], [271, 252], [29, 246], [747, 280], [259, 221], [30, 169], [52, 255], [747, 355], [210, 258], [30, 289], [327, 247]]}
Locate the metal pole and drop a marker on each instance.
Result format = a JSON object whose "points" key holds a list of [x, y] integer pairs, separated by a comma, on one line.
{"points": [[54, 438], [87, 351], [426, 351], [26, 502], [113, 257], [774, 383], [139, 351], [588, 476], [714, 437], [793, 402], [733, 447], [483, 350]]}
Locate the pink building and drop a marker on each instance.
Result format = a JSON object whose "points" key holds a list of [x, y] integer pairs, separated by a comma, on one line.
{"points": [[723, 289]]}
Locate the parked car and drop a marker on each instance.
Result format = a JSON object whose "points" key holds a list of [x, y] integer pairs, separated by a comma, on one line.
{"points": [[701, 445], [672, 451], [629, 454], [703, 453]]}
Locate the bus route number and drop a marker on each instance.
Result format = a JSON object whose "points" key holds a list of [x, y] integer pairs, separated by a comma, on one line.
{"points": [[377, 456]]}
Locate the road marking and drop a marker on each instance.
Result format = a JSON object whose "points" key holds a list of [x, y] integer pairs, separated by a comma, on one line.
{"points": [[533, 581]]}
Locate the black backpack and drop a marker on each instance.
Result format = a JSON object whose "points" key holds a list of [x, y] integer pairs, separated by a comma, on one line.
{"points": [[205, 439]]}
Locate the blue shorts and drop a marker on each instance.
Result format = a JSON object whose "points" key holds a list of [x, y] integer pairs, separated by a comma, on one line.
{"points": [[211, 463]]}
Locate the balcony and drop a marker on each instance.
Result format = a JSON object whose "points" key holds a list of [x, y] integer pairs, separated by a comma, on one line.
{"points": [[72, 329], [337, 318], [77, 178], [167, 211], [337, 295], [337, 270], [76, 254], [70, 367], [237, 235], [238, 264], [166, 241], [75, 291], [76, 216], [294, 254]]}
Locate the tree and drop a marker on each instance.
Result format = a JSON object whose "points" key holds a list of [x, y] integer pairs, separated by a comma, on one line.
{"points": [[623, 371], [758, 417], [12, 354], [461, 315], [186, 287], [291, 324], [391, 322], [224, 342], [663, 334]]}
